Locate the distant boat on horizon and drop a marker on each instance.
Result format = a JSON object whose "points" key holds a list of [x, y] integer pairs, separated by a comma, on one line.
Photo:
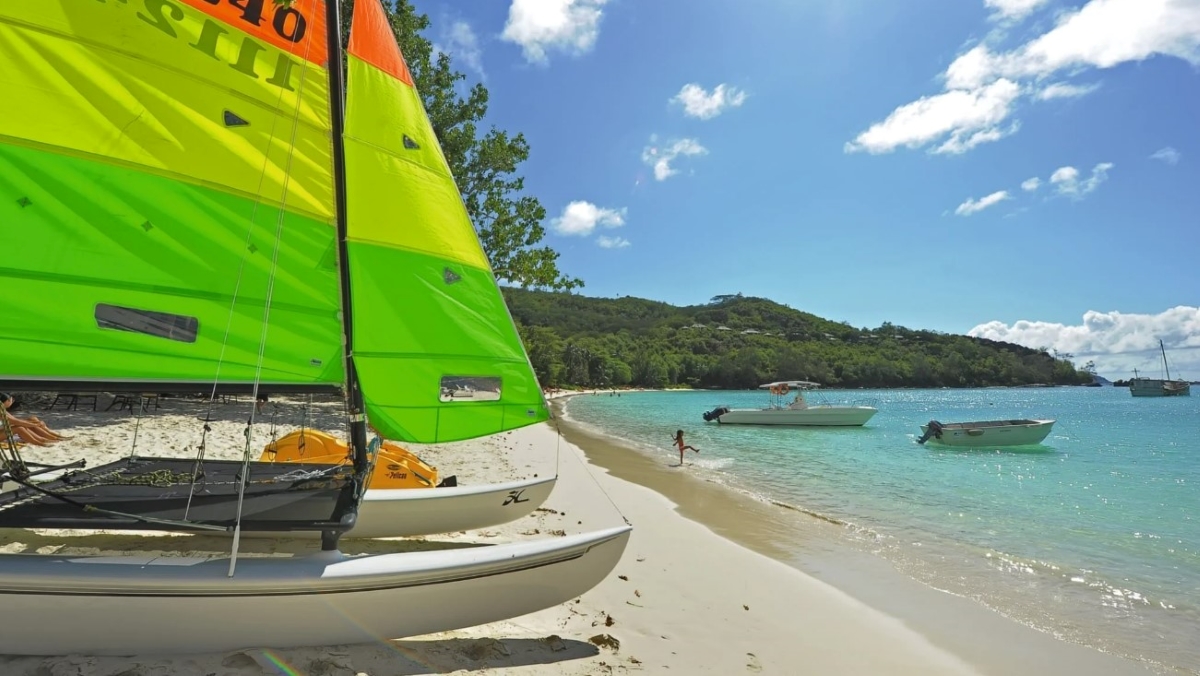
{"points": [[1154, 387]]}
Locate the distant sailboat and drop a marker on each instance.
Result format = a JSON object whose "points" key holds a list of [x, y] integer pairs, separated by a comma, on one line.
{"points": [[1154, 387], [187, 207]]}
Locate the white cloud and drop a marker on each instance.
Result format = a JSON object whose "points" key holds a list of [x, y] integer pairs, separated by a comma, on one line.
{"points": [[661, 157], [1066, 180], [463, 46], [967, 117], [581, 218], [1116, 341], [1168, 155], [1031, 184], [1101, 34], [612, 242], [972, 206], [1013, 9], [704, 105], [540, 26], [1062, 90]]}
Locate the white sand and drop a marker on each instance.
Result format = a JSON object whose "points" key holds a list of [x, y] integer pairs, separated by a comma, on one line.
{"points": [[682, 600]]}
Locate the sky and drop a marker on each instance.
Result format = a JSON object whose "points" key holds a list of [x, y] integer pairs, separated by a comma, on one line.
{"points": [[1022, 170]]}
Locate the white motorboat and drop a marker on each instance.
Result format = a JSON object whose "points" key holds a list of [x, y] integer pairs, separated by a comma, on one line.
{"points": [[986, 433], [797, 412]]}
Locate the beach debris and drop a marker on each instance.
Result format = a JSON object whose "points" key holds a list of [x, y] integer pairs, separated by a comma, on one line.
{"points": [[745, 607], [640, 559], [332, 665], [634, 660], [635, 605], [487, 648], [547, 510], [608, 620], [605, 641], [623, 577], [639, 595], [555, 643], [559, 532]]}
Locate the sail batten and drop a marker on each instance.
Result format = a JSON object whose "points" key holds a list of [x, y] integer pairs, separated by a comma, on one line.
{"points": [[436, 351]]}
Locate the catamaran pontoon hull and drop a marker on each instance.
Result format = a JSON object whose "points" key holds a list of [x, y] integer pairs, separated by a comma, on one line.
{"points": [[167, 605], [407, 512]]}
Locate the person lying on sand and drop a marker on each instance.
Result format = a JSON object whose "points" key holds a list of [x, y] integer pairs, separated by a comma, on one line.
{"points": [[678, 439], [29, 429]]}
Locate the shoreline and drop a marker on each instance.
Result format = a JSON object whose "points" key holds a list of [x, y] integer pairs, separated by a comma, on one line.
{"points": [[811, 543], [711, 582]]}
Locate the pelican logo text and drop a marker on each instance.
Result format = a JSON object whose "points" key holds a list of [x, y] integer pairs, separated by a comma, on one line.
{"points": [[514, 497]]}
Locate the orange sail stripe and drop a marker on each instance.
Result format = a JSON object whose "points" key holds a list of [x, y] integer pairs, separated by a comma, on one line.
{"points": [[298, 28], [372, 40]]}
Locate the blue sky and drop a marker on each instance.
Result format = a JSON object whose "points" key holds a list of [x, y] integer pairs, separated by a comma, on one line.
{"points": [[1021, 169]]}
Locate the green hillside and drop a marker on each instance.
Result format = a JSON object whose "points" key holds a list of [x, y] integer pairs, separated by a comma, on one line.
{"points": [[742, 342]]}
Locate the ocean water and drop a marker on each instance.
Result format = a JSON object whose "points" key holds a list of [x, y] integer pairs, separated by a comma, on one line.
{"points": [[1094, 535]]}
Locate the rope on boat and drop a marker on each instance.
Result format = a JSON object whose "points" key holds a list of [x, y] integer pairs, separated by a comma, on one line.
{"points": [[588, 471]]}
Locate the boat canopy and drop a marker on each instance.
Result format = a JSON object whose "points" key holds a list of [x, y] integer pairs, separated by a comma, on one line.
{"points": [[792, 384]]}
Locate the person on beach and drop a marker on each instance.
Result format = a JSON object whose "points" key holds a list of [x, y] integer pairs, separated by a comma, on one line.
{"points": [[678, 439], [31, 429]]}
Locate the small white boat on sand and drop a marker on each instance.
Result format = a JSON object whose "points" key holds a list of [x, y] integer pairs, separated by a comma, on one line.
{"points": [[796, 413], [986, 433]]}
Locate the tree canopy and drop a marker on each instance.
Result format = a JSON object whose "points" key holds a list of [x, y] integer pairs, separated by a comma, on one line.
{"points": [[484, 163], [736, 341]]}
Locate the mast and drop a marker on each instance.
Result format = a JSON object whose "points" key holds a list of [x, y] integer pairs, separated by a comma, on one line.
{"points": [[337, 106], [1164, 355]]}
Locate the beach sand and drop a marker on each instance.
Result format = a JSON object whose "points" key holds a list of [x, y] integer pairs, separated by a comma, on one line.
{"points": [[703, 587]]}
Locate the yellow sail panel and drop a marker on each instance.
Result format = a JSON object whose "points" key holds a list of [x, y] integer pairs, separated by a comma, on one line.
{"points": [[397, 155], [434, 347], [162, 86]]}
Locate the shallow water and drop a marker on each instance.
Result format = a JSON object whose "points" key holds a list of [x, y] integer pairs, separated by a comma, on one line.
{"points": [[1093, 535]]}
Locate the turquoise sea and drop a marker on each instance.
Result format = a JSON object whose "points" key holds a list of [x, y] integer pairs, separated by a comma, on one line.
{"points": [[1093, 535]]}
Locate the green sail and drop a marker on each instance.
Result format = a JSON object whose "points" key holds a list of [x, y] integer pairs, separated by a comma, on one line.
{"points": [[434, 347], [165, 171]]}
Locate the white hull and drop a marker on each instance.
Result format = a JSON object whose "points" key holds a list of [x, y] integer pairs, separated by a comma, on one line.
{"points": [[1149, 387], [992, 433], [61, 605], [816, 416], [407, 512]]}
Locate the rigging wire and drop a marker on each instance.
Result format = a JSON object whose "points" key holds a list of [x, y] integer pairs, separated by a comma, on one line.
{"points": [[262, 342]]}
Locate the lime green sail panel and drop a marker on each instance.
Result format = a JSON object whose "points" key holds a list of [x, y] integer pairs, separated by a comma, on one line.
{"points": [[165, 169], [435, 349]]}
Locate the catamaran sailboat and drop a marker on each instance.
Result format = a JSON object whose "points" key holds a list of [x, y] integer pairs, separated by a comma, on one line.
{"points": [[195, 200], [1154, 387]]}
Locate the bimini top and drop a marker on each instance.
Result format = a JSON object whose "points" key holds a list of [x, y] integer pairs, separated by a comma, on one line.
{"points": [[792, 384]]}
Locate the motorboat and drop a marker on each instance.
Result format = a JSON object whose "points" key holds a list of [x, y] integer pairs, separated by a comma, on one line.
{"points": [[796, 412], [986, 433]]}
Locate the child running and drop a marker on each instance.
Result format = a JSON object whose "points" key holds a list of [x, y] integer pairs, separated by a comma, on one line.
{"points": [[678, 439]]}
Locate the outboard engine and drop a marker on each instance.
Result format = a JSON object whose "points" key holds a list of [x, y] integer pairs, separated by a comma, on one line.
{"points": [[715, 414], [934, 429]]}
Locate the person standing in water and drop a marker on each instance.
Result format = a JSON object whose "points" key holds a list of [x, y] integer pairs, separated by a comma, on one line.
{"points": [[678, 439]]}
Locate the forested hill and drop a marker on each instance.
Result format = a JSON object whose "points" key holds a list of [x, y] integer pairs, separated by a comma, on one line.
{"points": [[742, 342]]}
